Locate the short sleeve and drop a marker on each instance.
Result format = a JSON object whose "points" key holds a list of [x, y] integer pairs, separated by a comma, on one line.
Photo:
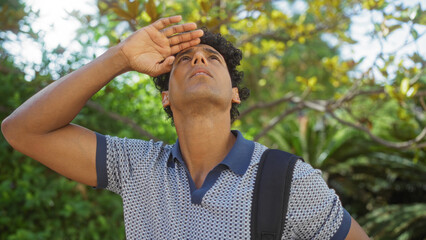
{"points": [[117, 159], [101, 171], [314, 210]]}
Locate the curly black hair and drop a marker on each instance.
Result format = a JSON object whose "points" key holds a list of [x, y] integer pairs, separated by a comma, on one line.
{"points": [[232, 56]]}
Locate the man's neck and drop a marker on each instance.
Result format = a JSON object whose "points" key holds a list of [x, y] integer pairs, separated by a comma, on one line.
{"points": [[204, 142]]}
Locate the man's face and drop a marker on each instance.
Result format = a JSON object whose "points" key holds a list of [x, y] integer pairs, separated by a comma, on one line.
{"points": [[200, 74]]}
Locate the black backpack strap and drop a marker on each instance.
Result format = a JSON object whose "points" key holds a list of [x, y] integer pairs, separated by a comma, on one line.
{"points": [[271, 194]]}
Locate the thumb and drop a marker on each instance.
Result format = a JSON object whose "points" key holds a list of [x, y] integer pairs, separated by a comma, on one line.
{"points": [[166, 65]]}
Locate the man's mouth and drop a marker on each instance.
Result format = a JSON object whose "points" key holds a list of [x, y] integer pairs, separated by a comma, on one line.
{"points": [[201, 71]]}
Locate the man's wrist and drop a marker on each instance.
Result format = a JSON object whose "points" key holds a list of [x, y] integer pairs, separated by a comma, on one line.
{"points": [[117, 60]]}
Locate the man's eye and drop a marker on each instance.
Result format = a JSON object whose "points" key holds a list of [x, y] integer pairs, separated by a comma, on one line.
{"points": [[214, 57], [185, 58]]}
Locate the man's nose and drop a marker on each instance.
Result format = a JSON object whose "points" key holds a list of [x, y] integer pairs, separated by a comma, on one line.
{"points": [[199, 58]]}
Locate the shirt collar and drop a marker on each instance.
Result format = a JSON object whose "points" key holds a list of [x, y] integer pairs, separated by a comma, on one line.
{"points": [[238, 159]]}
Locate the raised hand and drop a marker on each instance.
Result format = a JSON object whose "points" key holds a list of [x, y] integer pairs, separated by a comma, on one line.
{"points": [[150, 50]]}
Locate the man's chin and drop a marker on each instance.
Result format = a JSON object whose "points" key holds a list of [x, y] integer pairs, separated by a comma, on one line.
{"points": [[205, 96], [200, 88]]}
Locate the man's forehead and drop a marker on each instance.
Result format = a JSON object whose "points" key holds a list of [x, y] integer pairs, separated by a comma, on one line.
{"points": [[204, 47]]}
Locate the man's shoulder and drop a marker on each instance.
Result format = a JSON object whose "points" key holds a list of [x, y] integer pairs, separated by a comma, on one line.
{"points": [[302, 170], [138, 143], [262, 148], [258, 151], [135, 149]]}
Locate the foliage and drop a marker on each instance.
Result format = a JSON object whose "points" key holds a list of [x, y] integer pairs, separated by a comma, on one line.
{"points": [[382, 224], [361, 121]]}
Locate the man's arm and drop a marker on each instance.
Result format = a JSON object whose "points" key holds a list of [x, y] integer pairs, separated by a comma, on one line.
{"points": [[40, 128], [356, 232]]}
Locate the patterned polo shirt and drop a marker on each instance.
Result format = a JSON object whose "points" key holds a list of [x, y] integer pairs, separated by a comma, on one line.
{"points": [[160, 200]]}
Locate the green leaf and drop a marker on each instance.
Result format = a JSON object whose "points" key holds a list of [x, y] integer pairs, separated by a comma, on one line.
{"points": [[413, 90], [405, 85], [394, 27], [390, 90], [414, 33]]}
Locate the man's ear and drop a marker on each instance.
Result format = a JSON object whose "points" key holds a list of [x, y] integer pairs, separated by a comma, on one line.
{"points": [[165, 98], [235, 96]]}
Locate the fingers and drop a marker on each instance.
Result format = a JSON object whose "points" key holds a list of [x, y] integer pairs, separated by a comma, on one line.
{"points": [[185, 37], [164, 22], [179, 29], [180, 36], [164, 67], [179, 47]]}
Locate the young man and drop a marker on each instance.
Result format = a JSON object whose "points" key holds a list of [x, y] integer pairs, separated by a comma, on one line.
{"points": [[199, 188]]}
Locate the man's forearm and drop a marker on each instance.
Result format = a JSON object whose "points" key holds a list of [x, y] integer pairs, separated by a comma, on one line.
{"points": [[57, 105]]}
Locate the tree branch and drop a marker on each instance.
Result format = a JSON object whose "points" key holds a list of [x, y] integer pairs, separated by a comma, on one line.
{"points": [[278, 119], [318, 105], [125, 120], [422, 102], [266, 105], [329, 106], [397, 145]]}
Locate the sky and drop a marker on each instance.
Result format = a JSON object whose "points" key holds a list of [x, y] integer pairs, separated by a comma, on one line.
{"points": [[60, 29], [368, 47], [53, 19], [54, 22]]}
